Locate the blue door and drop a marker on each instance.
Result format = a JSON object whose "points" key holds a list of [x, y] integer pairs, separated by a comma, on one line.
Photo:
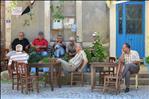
{"points": [[130, 27]]}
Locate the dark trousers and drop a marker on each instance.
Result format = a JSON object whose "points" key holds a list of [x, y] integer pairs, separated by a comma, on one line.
{"points": [[129, 69]]}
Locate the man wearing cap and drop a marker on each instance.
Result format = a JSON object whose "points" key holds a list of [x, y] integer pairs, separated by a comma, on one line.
{"points": [[41, 44]]}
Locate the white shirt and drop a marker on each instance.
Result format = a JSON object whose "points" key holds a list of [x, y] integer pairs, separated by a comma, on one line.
{"points": [[131, 57], [78, 58], [19, 56]]}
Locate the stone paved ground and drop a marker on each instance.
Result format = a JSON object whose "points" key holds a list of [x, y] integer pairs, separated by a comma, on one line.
{"points": [[76, 92]]}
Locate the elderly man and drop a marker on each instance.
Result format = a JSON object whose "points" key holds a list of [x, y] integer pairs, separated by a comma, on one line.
{"points": [[41, 44], [131, 60], [71, 48], [21, 40], [76, 61], [18, 56]]}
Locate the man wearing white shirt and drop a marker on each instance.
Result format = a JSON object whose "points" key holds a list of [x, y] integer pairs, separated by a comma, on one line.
{"points": [[131, 61], [19, 55], [74, 63]]}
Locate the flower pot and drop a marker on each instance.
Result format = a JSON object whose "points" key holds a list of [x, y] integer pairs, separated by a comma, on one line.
{"points": [[57, 24]]}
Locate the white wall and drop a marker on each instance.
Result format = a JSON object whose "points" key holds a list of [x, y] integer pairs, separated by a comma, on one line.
{"points": [[146, 28], [112, 30]]}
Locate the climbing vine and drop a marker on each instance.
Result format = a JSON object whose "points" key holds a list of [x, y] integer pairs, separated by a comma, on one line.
{"points": [[12, 5]]}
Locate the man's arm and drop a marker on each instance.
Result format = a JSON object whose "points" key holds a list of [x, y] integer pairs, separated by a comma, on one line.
{"points": [[27, 44], [85, 61], [121, 58], [137, 58], [13, 44]]}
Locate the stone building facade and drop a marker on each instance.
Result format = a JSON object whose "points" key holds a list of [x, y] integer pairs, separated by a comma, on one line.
{"points": [[90, 17]]}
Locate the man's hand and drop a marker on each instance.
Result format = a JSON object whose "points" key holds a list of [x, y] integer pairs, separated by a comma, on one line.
{"points": [[27, 47], [121, 59], [37, 47], [136, 62]]}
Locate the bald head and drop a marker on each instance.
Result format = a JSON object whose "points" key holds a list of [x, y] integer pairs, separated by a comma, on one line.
{"points": [[19, 48], [78, 47], [21, 35], [71, 39]]}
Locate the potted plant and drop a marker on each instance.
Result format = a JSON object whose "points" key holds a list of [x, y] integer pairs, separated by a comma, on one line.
{"points": [[97, 52], [57, 15], [146, 62]]}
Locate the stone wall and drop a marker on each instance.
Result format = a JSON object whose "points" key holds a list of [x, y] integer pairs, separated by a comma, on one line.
{"points": [[35, 24], [95, 19], [2, 25]]}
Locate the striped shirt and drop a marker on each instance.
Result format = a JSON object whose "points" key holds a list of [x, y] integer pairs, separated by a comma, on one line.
{"points": [[78, 58], [131, 57], [19, 56]]}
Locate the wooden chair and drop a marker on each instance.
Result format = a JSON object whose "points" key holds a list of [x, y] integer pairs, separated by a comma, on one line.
{"points": [[112, 60], [113, 81], [25, 78], [4, 59], [76, 76], [136, 80], [12, 71], [107, 72]]}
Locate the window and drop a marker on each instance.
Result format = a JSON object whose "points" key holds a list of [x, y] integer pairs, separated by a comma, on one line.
{"points": [[133, 19], [120, 18]]}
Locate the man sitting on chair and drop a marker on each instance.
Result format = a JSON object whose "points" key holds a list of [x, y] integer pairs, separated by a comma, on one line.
{"points": [[18, 56], [75, 62], [131, 61]]}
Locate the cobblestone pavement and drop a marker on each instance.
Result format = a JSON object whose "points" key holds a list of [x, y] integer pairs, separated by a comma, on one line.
{"points": [[76, 92]]}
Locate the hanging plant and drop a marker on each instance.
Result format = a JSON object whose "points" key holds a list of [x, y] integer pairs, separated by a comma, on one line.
{"points": [[12, 5], [57, 11]]}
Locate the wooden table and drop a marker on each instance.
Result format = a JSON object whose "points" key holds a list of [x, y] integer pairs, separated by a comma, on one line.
{"points": [[51, 70], [94, 66]]}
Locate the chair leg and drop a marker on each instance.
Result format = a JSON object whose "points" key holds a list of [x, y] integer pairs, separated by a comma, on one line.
{"points": [[82, 79], [46, 80], [21, 85], [71, 79], [12, 83], [136, 80], [37, 85], [18, 82], [104, 86], [26, 85]]}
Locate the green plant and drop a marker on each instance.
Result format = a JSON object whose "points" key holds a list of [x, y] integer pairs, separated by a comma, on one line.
{"points": [[147, 60], [88, 54], [97, 52], [12, 5], [57, 11]]}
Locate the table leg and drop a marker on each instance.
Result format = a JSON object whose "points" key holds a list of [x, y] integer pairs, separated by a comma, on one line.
{"points": [[37, 72], [51, 77], [59, 76], [92, 78]]}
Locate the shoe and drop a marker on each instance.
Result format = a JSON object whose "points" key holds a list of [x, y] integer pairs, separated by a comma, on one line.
{"points": [[126, 90]]}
